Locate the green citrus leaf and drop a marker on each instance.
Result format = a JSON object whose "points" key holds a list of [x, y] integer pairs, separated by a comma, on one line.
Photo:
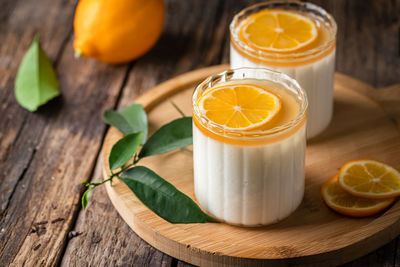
{"points": [[123, 150], [174, 135], [36, 81], [137, 119], [115, 119], [86, 196], [162, 197], [130, 119]]}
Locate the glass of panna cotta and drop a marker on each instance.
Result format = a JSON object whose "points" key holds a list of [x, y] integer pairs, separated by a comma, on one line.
{"points": [[249, 142], [296, 38]]}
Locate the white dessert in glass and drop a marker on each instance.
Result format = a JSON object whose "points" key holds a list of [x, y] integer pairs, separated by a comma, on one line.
{"points": [[252, 176], [256, 42]]}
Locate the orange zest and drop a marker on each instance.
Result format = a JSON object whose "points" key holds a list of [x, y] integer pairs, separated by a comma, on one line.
{"points": [[239, 107], [343, 202], [370, 178], [278, 31]]}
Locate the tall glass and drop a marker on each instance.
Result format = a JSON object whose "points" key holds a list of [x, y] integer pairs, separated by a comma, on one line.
{"points": [[312, 66], [253, 177]]}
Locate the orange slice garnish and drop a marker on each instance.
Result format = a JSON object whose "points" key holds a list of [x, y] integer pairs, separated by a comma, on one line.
{"points": [[370, 179], [278, 31], [239, 107], [343, 202]]}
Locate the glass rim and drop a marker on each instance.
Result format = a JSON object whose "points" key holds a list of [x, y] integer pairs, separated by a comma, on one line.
{"points": [[239, 134], [286, 56]]}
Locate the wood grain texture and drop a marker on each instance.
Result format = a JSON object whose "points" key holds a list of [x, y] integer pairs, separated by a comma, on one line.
{"points": [[45, 155], [15, 119], [368, 41], [106, 240], [195, 35], [313, 234], [64, 154]]}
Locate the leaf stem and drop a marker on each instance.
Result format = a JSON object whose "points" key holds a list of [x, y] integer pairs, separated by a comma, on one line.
{"points": [[124, 168], [110, 177], [102, 182], [187, 149], [91, 186], [78, 53], [177, 108], [135, 159]]}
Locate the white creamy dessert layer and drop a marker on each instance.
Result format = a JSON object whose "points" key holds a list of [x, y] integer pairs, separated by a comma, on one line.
{"points": [[316, 78], [249, 185]]}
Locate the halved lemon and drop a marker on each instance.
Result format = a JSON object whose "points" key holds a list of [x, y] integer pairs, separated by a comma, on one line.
{"points": [[239, 107], [278, 31], [343, 202], [370, 179]]}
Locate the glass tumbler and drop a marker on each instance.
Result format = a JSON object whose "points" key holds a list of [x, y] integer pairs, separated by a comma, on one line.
{"points": [[312, 66], [251, 177]]}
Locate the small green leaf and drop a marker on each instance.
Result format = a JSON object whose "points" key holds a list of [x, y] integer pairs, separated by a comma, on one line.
{"points": [[86, 196], [124, 149], [130, 119], [36, 81], [174, 135], [137, 119], [115, 119], [162, 197]]}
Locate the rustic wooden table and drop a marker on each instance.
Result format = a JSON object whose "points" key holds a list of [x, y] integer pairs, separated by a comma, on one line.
{"points": [[45, 155]]}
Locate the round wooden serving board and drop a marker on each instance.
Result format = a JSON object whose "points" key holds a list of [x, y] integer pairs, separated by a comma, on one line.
{"points": [[313, 234]]}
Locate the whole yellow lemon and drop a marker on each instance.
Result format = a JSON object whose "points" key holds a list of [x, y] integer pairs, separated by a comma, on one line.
{"points": [[116, 31]]}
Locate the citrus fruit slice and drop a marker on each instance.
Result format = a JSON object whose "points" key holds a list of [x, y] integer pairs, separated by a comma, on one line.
{"points": [[240, 107], [278, 31], [343, 202], [370, 179]]}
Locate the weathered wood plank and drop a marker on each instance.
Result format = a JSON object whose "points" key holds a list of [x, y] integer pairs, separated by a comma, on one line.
{"points": [[384, 257], [388, 48], [44, 155], [184, 264], [20, 131], [23, 20], [106, 240], [65, 154], [397, 253], [368, 45]]}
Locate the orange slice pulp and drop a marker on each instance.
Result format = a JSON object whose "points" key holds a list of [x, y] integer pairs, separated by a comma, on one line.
{"points": [[239, 107], [278, 31], [343, 202], [370, 179]]}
